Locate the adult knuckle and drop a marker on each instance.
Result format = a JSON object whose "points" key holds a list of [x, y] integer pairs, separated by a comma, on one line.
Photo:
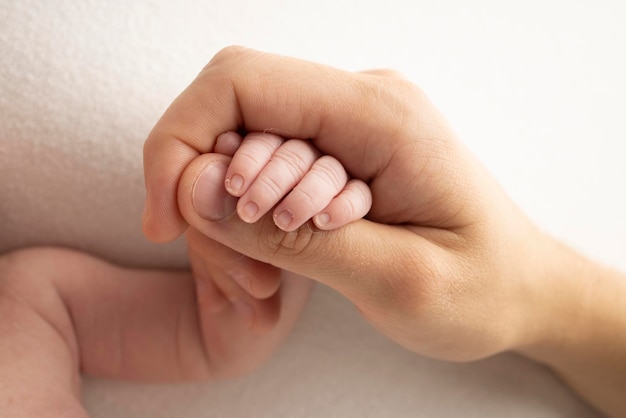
{"points": [[300, 243], [227, 54]]}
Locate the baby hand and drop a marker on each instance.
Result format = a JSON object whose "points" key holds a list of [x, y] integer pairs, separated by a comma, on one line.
{"points": [[292, 177]]}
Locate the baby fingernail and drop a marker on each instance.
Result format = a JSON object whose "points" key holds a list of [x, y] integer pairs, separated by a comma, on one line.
{"points": [[283, 219], [234, 185], [322, 219], [249, 211]]}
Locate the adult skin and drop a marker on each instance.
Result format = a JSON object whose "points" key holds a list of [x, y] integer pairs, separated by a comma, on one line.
{"points": [[445, 264]]}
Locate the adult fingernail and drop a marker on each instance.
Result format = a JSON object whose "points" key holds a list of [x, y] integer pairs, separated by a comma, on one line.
{"points": [[210, 199]]}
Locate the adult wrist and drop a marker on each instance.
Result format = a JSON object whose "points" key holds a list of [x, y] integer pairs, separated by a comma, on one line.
{"points": [[580, 322]]}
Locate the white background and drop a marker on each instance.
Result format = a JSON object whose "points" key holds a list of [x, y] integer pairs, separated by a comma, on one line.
{"points": [[535, 89]]}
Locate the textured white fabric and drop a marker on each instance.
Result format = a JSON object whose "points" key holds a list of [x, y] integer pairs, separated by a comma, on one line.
{"points": [[535, 90]]}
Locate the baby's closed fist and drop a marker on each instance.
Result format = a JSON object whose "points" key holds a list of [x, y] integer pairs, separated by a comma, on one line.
{"points": [[294, 178]]}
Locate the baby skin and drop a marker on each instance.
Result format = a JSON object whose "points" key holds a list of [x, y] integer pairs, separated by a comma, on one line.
{"points": [[64, 313], [293, 178]]}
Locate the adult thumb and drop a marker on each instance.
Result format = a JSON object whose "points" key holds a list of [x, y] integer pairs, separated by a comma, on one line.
{"points": [[357, 260]]}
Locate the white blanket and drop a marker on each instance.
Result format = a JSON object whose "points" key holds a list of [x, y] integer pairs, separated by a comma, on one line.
{"points": [[81, 84]]}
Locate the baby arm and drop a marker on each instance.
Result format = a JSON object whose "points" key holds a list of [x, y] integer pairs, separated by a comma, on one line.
{"points": [[63, 313], [292, 177]]}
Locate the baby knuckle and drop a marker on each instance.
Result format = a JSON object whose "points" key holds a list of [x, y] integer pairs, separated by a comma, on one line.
{"points": [[296, 152], [249, 159], [306, 198], [330, 170], [271, 187], [269, 142], [291, 161]]}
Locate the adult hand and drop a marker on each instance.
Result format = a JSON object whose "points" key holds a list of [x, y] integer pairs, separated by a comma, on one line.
{"points": [[444, 264], [438, 264]]}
